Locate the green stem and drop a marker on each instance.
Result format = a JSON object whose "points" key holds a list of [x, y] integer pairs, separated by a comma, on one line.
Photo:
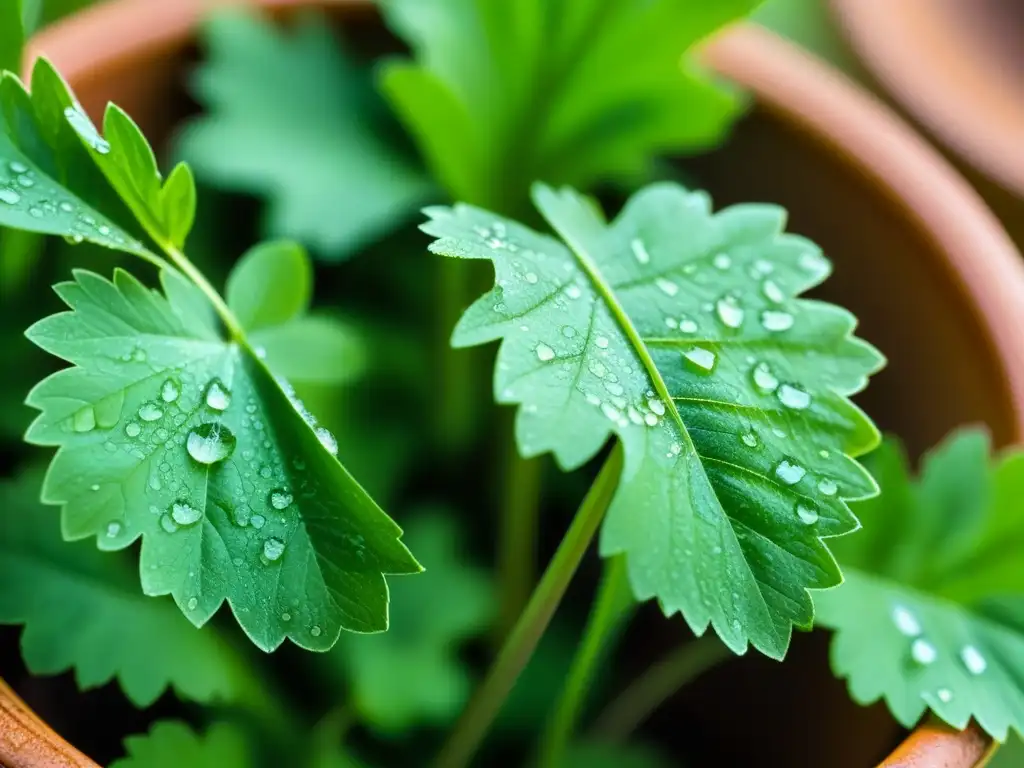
{"points": [[458, 397], [517, 536], [479, 715], [655, 686], [192, 273], [612, 607]]}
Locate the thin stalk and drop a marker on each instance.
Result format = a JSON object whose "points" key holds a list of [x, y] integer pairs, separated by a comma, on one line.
{"points": [[479, 715], [657, 685], [517, 534], [192, 273], [613, 606], [458, 395]]}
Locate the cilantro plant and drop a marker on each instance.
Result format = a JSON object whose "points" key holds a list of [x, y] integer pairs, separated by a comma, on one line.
{"points": [[236, 445]]}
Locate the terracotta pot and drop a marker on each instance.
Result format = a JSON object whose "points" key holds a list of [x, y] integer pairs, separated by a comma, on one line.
{"points": [[918, 257], [957, 66]]}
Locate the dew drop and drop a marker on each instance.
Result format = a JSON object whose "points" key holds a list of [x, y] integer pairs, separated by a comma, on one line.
{"points": [[922, 651], [273, 549], [789, 473], [687, 326], [192, 603], [973, 660], [601, 342], [315, 631], [827, 486], [9, 196], [183, 513], [150, 412], [729, 312], [84, 128], [168, 524], [17, 167], [945, 695], [573, 291], [218, 397], [722, 261], [286, 616], [327, 440], [667, 286], [280, 499], [657, 406], [84, 420], [905, 621], [170, 390], [776, 321], [531, 278], [763, 377], [113, 529], [568, 331], [210, 443], [793, 397], [258, 521], [544, 352], [640, 251], [807, 515], [650, 420], [749, 440], [772, 292], [67, 207], [671, 323], [703, 359], [133, 429]]}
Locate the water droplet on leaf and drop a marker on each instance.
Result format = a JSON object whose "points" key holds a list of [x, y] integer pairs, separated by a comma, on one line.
{"points": [[807, 515], [776, 321], [703, 359], [640, 251], [789, 473], [280, 499], [184, 513], [209, 443], [218, 397], [83, 127], [973, 660], [793, 397], [150, 412], [544, 352], [273, 549], [170, 391]]}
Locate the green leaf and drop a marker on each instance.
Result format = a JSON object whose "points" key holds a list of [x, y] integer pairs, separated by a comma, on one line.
{"points": [[572, 92], [270, 285], [412, 674], [931, 614], [61, 177], [171, 744], [12, 35], [676, 330], [82, 610], [292, 118], [169, 433]]}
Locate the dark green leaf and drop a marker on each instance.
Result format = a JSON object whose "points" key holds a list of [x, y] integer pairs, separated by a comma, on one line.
{"points": [[12, 35], [413, 674], [170, 433], [931, 614], [83, 610], [677, 331], [294, 120], [569, 91], [171, 744]]}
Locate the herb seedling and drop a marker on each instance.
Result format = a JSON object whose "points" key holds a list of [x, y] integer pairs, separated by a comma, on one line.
{"points": [[669, 341]]}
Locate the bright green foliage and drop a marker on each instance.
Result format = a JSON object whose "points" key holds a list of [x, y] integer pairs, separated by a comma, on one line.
{"points": [[413, 674], [294, 119], [171, 744], [676, 330], [930, 614], [58, 176], [12, 35], [170, 433], [1009, 755], [568, 91], [82, 609], [600, 755]]}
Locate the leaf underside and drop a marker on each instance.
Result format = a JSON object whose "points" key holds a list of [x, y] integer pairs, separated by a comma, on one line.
{"points": [[931, 614], [82, 609], [677, 331], [169, 433]]}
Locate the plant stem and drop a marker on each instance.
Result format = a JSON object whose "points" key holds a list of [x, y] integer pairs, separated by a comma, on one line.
{"points": [[655, 686], [192, 273], [517, 534], [454, 416], [612, 607], [476, 720]]}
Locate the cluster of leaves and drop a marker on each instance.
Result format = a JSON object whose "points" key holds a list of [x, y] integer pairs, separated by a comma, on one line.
{"points": [[185, 423]]}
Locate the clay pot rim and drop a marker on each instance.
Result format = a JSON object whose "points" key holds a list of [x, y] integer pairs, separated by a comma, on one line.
{"points": [[796, 88], [888, 37]]}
